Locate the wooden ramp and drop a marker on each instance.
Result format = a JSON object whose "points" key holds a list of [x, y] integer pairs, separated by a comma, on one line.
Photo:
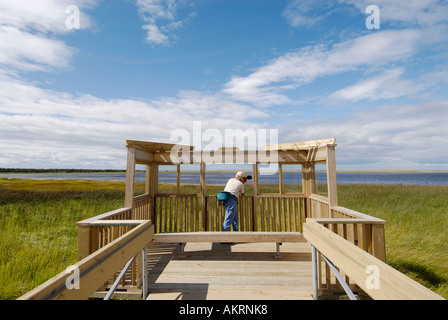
{"points": [[239, 271]]}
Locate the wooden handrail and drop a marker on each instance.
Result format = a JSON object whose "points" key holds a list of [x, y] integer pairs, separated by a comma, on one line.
{"points": [[107, 215], [346, 221], [355, 262], [319, 197], [108, 223], [107, 259], [357, 215]]}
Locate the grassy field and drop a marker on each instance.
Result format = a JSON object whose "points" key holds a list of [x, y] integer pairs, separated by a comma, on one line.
{"points": [[38, 235], [416, 228]]}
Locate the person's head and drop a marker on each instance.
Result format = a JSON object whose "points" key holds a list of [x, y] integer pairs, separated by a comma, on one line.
{"points": [[242, 177]]}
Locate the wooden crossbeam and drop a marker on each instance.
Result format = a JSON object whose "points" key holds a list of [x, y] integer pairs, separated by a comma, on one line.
{"points": [[217, 236]]}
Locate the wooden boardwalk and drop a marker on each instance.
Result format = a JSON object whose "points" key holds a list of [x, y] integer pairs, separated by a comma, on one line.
{"points": [[240, 271]]}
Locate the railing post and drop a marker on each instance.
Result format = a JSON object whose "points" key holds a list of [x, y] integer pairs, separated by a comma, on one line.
{"points": [[255, 198], [145, 272], [203, 197], [254, 215], [83, 242], [378, 243], [331, 180], [130, 178], [315, 282], [308, 185]]}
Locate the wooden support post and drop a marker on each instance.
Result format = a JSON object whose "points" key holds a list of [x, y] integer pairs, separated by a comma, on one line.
{"points": [[255, 197], [313, 184], [331, 179], [130, 178], [280, 178], [378, 243], [153, 182], [148, 179], [178, 180], [203, 198], [155, 178], [83, 242], [308, 183]]}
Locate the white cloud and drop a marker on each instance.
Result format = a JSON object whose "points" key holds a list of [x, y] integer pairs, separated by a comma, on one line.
{"points": [[25, 51], [393, 137], [26, 34], [44, 123], [306, 13], [161, 18], [407, 13], [294, 69], [42, 15], [154, 35], [387, 85]]}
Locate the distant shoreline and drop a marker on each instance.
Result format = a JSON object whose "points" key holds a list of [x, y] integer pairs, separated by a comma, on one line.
{"points": [[105, 171], [393, 171], [62, 171]]}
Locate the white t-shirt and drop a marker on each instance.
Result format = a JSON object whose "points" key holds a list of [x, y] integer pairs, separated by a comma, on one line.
{"points": [[235, 187]]}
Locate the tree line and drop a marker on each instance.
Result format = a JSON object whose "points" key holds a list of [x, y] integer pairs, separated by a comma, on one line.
{"points": [[19, 170]]}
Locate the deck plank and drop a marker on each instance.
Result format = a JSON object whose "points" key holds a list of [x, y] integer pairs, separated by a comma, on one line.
{"points": [[229, 237], [241, 271]]}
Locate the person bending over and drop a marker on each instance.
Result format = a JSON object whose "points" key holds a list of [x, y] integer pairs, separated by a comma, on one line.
{"points": [[235, 186]]}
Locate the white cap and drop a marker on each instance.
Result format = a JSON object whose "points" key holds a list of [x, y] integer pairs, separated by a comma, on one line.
{"points": [[240, 174]]}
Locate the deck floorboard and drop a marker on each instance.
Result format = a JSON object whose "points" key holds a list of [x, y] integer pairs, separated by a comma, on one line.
{"points": [[240, 271]]}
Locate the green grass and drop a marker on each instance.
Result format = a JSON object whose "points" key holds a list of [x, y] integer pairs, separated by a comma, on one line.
{"points": [[416, 230], [38, 235]]}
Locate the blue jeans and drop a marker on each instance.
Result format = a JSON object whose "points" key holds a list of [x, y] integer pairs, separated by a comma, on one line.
{"points": [[231, 218]]}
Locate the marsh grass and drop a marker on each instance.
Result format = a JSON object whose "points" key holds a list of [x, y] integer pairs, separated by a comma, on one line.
{"points": [[38, 232], [416, 230], [38, 235]]}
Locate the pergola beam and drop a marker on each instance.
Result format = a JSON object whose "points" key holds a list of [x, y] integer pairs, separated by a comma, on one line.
{"points": [[284, 153], [197, 157]]}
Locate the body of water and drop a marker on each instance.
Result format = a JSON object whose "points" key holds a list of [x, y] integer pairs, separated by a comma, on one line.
{"points": [[220, 178]]}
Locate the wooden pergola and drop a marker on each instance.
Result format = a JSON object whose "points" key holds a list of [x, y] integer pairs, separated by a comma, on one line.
{"points": [[304, 153]]}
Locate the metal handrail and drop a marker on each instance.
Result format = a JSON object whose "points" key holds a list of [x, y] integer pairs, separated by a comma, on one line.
{"points": [[336, 272], [123, 272], [118, 280]]}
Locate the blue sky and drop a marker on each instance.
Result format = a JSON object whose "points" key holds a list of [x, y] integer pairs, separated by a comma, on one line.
{"points": [[149, 69]]}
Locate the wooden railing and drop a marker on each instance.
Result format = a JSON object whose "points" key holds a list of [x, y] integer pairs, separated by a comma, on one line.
{"points": [[93, 271], [281, 213], [142, 207], [364, 231], [185, 213], [267, 212], [99, 231], [372, 275], [92, 237], [319, 207], [215, 214], [178, 213]]}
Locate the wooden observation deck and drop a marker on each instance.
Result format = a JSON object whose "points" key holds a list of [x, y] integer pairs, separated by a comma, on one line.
{"points": [[293, 244]]}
